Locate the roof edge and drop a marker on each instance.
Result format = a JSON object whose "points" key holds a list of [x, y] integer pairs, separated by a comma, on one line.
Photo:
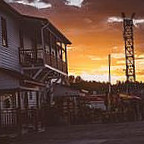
{"points": [[67, 41]]}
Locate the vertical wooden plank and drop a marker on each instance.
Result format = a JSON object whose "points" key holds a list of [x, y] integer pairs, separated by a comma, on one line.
{"points": [[26, 106], [50, 46], [0, 110], [19, 100], [19, 114], [43, 45], [37, 100], [34, 44], [61, 56], [66, 59], [21, 39], [37, 111], [55, 45]]}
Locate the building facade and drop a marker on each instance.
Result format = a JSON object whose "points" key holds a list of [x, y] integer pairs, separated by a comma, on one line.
{"points": [[33, 57]]}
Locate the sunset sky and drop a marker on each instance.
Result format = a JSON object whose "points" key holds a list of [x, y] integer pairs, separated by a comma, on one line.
{"points": [[95, 29]]}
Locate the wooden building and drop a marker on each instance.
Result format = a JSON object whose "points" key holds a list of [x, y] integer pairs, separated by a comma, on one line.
{"points": [[66, 104], [33, 57]]}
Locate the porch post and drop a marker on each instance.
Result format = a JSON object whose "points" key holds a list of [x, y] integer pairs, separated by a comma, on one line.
{"points": [[55, 45], [66, 60], [0, 109], [34, 45], [50, 46], [19, 114], [37, 111], [37, 100], [43, 39], [61, 55]]}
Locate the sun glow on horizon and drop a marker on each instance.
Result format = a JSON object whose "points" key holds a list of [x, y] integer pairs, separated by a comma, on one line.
{"points": [[99, 77]]}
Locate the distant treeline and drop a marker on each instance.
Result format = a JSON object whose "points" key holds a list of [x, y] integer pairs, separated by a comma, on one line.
{"points": [[102, 87]]}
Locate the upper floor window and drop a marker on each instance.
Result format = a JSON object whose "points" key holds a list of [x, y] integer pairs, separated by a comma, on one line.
{"points": [[4, 32]]}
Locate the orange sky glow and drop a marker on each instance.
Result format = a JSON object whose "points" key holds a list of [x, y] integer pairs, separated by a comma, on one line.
{"points": [[94, 36]]}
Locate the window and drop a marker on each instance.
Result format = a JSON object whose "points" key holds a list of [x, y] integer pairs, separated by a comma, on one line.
{"points": [[7, 103], [4, 32]]}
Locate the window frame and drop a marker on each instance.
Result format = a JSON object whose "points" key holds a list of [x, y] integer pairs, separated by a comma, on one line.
{"points": [[4, 32]]}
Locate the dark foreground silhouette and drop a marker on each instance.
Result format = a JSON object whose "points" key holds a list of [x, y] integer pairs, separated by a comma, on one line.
{"points": [[118, 133]]}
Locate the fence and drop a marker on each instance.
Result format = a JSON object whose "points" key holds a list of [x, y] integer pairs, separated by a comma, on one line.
{"points": [[21, 119]]}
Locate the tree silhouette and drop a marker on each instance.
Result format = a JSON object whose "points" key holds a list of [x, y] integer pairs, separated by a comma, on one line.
{"points": [[136, 88]]}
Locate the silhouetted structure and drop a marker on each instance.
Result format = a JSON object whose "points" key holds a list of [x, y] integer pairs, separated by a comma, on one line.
{"points": [[129, 47], [33, 58]]}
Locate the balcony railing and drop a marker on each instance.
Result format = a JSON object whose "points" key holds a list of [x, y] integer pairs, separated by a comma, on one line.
{"points": [[31, 58]]}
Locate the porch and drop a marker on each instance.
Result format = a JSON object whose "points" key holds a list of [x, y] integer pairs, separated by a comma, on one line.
{"points": [[42, 45], [30, 58]]}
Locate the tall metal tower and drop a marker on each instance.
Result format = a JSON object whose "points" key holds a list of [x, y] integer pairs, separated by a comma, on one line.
{"points": [[129, 47]]}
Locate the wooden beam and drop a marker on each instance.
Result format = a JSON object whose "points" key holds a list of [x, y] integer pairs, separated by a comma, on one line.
{"points": [[66, 59], [19, 121], [37, 99], [55, 45], [56, 70], [61, 54], [50, 46]]}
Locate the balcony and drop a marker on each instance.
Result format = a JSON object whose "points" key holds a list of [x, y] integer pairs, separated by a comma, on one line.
{"points": [[30, 59]]}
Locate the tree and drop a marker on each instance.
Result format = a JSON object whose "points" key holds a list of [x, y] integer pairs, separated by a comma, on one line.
{"points": [[71, 79], [78, 79]]}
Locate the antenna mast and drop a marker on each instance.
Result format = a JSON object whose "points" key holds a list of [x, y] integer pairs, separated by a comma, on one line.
{"points": [[129, 47]]}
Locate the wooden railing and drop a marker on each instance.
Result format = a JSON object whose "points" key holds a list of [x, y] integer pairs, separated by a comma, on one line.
{"points": [[29, 58], [14, 118], [8, 118], [55, 63]]}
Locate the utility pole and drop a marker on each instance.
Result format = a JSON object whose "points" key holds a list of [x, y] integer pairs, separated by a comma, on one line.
{"points": [[109, 60], [109, 88]]}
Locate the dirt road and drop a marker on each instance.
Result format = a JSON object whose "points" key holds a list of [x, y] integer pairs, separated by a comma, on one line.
{"points": [[123, 133]]}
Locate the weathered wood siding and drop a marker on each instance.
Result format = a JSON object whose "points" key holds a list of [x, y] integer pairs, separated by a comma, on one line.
{"points": [[9, 56], [31, 99], [27, 41], [8, 82]]}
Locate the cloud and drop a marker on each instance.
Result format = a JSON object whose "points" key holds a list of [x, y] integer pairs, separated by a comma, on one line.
{"points": [[118, 55], [120, 62], [140, 57], [94, 58], [120, 20], [77, 3], [114, 19], [35, 3]]}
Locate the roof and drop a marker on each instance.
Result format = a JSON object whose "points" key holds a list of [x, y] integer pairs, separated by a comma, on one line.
{"points": [[65, 91], [127, 96], [4, 5], [13, 10], [92, 98], [21, 76]]}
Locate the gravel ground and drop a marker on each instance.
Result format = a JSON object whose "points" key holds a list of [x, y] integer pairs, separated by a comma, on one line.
{"points": [[119, 133]]}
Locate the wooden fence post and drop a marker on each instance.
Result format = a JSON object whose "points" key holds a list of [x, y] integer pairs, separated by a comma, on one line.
{"points": [[19, 122]]}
